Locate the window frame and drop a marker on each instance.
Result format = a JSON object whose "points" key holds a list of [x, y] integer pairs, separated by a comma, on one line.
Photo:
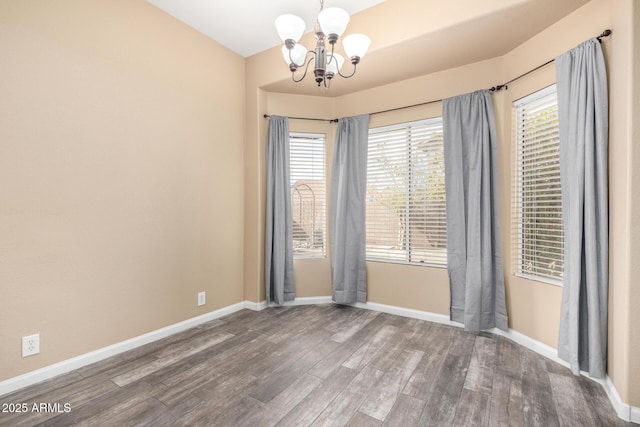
{"points": [[518, 196], [311, 136], [437, 120]]}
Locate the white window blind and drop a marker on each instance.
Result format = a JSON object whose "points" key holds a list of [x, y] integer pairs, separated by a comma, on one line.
{"points": [[539, 239], [406, 219], [308, 189]]}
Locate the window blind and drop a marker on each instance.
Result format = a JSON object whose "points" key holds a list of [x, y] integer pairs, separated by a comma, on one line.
{"points": [[539, 238], [406, 220], [308, 190]]}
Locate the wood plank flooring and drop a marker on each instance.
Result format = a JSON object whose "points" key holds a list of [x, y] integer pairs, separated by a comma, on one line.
{"points": [[324, 365]]}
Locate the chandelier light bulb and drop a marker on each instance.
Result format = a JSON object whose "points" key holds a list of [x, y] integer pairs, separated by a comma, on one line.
{"points": [[334, 64], [333, 21], [356, 45], [290, 27], [297, 57]]}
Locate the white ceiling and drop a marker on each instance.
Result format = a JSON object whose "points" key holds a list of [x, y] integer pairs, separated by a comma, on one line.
{"points": [[247, 26]]}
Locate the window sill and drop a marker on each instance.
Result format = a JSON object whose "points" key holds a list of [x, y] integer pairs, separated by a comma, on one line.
{"points": [[305, 258], [415, 264], [539, 279]]}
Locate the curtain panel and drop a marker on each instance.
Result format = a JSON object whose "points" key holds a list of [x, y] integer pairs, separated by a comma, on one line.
{"points": [[278, 254], [347, 213], [584, 128], [473, 226]]}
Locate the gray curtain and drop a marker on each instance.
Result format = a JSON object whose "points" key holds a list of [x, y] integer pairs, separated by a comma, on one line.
{"points": [[278, 254], [347, 215], [583, 117], [473, 226]]}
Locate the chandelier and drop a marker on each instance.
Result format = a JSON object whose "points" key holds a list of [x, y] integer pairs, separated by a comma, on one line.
{"points": [[330, 25]]}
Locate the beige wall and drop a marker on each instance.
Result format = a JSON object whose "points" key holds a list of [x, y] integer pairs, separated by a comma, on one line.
{"points": [[534, 307], [620, 221], [121, 180], [633, 11], [132, 174]]}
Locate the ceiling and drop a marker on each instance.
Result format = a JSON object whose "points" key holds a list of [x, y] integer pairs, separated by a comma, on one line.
{"points": [[410, 38], [428, 36], [247, 26]]}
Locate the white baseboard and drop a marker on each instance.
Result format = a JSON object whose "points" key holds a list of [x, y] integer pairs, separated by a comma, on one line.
{"points": [[534, 345], [635, 414], [33, 377], [257, 306], [624, 411], [406, 312], [306, 301]]}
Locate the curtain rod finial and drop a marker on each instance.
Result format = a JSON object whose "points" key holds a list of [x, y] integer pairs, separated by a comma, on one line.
{"points": [[605, 33]]}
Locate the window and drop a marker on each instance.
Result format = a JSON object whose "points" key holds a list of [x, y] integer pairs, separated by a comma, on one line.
{"points": [[308, 202], [406, 219], [539, 244]]}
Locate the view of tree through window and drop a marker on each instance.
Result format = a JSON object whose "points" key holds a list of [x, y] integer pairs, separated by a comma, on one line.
{"points": [[538, 202], [308, 201], [406, 219]]}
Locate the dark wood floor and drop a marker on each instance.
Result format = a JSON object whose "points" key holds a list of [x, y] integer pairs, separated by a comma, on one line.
{"points": [[323, 365]]}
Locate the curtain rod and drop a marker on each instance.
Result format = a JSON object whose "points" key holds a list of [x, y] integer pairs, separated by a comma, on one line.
{"points": [[605, 33], [266, 116]]}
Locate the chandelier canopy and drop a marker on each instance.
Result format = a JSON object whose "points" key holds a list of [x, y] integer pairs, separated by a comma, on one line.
{"points": [[331, 23]]}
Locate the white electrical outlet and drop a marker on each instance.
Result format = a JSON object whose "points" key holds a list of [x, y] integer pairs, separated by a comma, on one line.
{"points": [[30, 345], [202, 298]]}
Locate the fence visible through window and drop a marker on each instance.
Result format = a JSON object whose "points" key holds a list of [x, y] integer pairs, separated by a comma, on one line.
{"points": [[308, 194]]}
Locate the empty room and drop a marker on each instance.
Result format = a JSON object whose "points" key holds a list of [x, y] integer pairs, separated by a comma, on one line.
{"points": [[319, 212]]}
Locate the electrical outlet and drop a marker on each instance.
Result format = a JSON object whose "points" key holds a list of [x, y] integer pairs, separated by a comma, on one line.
{"points": [[30, 345], [202, 298]]}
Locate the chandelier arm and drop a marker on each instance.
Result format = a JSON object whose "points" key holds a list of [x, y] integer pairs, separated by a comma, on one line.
{"points": [[333, 47], [291, 59], [306, 69], [350, 75]]}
